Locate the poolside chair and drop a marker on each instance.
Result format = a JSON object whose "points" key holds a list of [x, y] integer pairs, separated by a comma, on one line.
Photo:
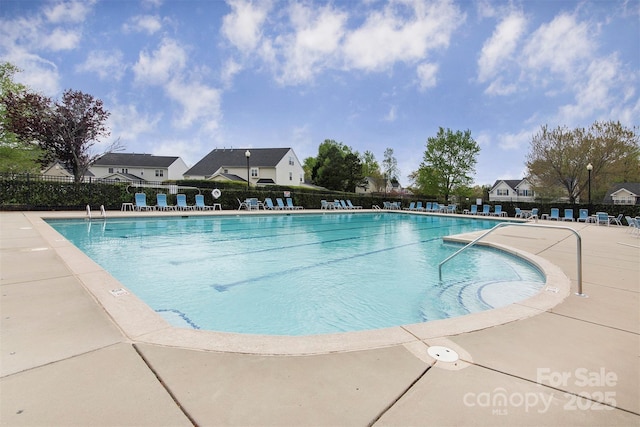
{"points": [[497, 210], [584, 215], [473, 210], [486, 210], [534, 214], [181, 203], [343, 205], [241, 205], [280, 204], [141, 202], [451, 209], [200, 204], [428, 206], [352, 206], [602, 218], [325, 205], [630, 222], [518, 213], [290, 204], [568, 215], [253, 204], [555, 214], [617, 220], [268, 203], [161, 203], [412, 207]]}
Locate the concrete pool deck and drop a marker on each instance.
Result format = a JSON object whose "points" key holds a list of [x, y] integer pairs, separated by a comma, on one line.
{"points": [[65, 361]]}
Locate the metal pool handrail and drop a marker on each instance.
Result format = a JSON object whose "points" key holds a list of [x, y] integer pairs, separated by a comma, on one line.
{"points": [[506, 224]]}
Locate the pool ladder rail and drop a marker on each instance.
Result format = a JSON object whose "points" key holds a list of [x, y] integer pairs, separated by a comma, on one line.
{"points": [[508, 224], [103, 213]]}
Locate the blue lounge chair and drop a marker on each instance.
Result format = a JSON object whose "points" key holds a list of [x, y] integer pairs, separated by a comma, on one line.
{"points": [[534, 214], [555, 214], [280, 203], [617, 220], [161, 203], [352, 206], [497, 210], [584, 215], [486, 210], [200, 204], [268, 203], [412, 207], [602, 218], [290, 204], [473, 210], [568, 215], [141, 202], [518, 213], [181, 203], [418, 207], [325, 205], [451, 209], [428, 207]]}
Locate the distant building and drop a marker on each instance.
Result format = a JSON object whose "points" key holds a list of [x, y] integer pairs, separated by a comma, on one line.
{"points": [[624, 193], [279, 166], [57, 170], [138, 167], [511, 190]]}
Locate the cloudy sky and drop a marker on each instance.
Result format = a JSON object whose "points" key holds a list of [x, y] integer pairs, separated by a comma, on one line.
{"points": [[183, 77]]}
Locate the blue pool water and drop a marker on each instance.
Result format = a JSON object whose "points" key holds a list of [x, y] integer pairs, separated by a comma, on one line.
{"points": [[302, 274]]}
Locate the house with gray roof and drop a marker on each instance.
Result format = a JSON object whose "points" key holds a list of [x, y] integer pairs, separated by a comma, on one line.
{"points": [[138, 167], [262, 166], [511, 190], [623, 193]]}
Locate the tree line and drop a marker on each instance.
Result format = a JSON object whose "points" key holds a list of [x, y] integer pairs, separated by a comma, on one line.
{"points": [[36, 130]]}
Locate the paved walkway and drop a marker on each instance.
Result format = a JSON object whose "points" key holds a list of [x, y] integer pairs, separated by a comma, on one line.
{"points": [[64, 361]]}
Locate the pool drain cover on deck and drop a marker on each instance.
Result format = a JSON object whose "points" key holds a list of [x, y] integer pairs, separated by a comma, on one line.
{"points": [[442, 354]]}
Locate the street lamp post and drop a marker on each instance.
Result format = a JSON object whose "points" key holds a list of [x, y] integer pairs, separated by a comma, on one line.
{"points": [[247, 154], [589, 169]]}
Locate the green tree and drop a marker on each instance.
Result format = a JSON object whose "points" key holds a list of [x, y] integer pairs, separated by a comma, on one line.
{"points": [[390, 167], [66, 130], [308, 165], [15, 155], [449, 161], [558, 158], [337, 167]]}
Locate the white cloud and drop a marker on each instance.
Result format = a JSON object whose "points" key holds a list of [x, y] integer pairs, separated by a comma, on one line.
{"points": [[559, 46], [316, 39], [74, 11], [427, 75], [229, 70], [159, 66], [243, 26], [106, 64], [392, 114], [390, 36], [149, 24], [61, 39], [200, 103], [515, 141], [501, 47], [37, 73], [127, 123]]}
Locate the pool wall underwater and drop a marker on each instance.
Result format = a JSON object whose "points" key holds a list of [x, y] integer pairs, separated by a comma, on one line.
{"points": [[140, 323]]}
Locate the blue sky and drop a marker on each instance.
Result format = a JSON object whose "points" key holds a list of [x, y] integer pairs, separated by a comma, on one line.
{"points": [[183, 77]]}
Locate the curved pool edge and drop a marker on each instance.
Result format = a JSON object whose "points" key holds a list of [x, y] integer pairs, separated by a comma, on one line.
{"points": [[139, 323]]}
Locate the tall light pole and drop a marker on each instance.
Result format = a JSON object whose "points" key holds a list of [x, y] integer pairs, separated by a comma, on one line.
{"points": [[247, 154], [589, 169]]}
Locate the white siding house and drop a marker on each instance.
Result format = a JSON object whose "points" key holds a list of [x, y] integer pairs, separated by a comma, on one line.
{"points": [[625, 193], [511, 190], [279, 166], [138, 167]]}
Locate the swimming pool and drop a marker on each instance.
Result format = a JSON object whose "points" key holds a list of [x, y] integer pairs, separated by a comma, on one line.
{"points": [[302, 274]]}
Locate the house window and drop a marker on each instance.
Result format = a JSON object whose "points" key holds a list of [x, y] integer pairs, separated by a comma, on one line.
{"points": [[525, 193], [159, 172], [291, 161], [254, 172], [226, 171], [502, 192], [110, 170], [290, 176]]}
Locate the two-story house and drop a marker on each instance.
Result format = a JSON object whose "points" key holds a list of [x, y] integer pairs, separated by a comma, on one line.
{"points": [[138, 167], [262, 166], [624, 193], [511, 190]]}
